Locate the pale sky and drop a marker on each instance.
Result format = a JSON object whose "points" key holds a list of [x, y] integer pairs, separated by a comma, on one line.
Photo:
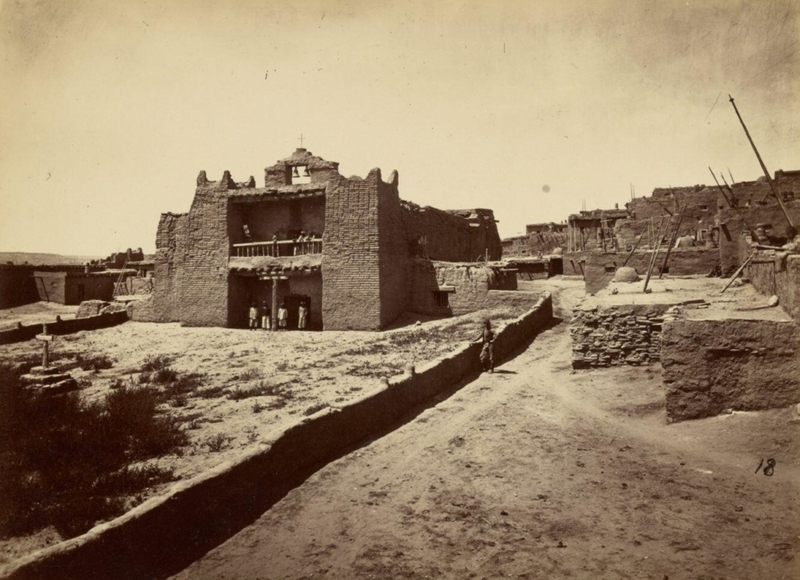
{"points": [[110, 109]]}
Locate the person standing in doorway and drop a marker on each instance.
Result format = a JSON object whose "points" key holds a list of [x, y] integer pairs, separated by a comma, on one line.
{"points": [[266, 316], [253, 316], [302, 316], [283, 317]]}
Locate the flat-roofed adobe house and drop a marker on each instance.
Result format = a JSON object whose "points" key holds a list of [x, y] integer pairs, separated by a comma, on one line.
{"points": [[349, 248]]}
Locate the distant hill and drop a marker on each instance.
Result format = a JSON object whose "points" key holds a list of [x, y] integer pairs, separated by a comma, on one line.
{"points": [[38, 259]]}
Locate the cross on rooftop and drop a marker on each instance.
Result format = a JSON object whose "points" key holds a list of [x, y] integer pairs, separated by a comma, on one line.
{"points": [[301, 140]]}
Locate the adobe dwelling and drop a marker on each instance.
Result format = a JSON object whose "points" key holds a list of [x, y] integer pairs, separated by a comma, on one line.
{"points": [[349, 248], [710, 238]]}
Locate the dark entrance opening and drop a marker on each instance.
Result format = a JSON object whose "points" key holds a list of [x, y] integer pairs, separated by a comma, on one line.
{"points": [[81, 292], [293, 302]]}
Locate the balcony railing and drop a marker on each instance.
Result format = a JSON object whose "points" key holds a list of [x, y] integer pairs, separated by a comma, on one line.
{"points": [[278, 249]]}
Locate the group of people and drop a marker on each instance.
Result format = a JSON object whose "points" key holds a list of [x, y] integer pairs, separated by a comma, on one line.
{"points": [[304, 243], [264, 316]]}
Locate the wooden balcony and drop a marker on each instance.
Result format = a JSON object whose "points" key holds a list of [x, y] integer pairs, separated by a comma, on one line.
{"points": [[281, 248]]}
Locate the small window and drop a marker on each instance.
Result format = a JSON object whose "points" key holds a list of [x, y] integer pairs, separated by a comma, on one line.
{"points": [[442, 299], [610, 267], [704, 207]]}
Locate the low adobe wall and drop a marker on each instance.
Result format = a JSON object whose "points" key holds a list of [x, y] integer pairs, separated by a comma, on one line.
{"points": [[165, 534], [599, 268], [779, 275], [712, 365], [23, 332]]}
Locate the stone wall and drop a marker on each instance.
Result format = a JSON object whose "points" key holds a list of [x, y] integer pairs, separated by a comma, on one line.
{"points": [[617, 335], [713, 365], [778, 275]]}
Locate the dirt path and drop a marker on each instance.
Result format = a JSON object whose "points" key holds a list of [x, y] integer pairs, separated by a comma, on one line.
{"points": [[538, 472]]}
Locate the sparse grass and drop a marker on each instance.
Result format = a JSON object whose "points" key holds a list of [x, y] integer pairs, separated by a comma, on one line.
{"points": [[251, 374], [314, 408], [66, 462], [94, 363], [282, 366], [218, 442], [259, 390], [258, 407], [211, 392], [153, 363]]}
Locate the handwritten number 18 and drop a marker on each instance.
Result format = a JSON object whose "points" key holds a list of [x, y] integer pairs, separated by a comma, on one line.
{"points": [[769, 469]]}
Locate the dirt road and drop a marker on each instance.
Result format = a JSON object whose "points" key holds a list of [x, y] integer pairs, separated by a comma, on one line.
{"points": [[539, 472]]}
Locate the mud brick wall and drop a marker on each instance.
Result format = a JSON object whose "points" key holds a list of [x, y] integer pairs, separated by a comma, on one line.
{"points": [[203, 267], [351, 258], [17, 285], [621, 335], [395, 266], [472, 284], [712, 365], [778, 275], [449, 235], [165, 305], [734, 246], [701, 206], [599, 268]]}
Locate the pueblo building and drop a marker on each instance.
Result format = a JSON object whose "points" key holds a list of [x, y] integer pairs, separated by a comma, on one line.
{"points": [[349, 248]]}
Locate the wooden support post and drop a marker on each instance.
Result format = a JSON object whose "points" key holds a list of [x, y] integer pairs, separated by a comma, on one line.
{"points": [[737, 272], [274, 322]]}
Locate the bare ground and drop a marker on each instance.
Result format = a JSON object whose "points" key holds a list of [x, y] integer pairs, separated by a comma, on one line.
{"points": [[252, 383], [541, 472]]}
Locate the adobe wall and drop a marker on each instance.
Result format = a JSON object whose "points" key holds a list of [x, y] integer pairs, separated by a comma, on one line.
{"points": [[17, 285], [454, 235], [203, 269], [712, 365], [351, 259], [166, 284], [395, 272], [599, 268], [472, 284], [60, 327], [734, 245], [617, 335], [51, 286], [778, 275]]}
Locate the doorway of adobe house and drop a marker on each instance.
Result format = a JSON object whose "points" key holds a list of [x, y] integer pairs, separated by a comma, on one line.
{"points": [[293, 302]]}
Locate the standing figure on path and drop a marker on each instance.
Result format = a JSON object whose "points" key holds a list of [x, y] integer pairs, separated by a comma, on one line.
{"points": [[266, 316], [283, 317], [487, 352], [302, 316], [253, 316]]}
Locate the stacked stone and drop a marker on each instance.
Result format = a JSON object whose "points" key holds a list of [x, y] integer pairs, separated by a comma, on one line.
{"points": [[616, 336]]}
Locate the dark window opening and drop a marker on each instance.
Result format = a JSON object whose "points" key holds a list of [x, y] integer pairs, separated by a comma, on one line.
{"points": [[612, 267], [442, 299], [704, 207]]}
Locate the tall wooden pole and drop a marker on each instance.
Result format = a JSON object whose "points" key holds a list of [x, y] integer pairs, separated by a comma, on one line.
{"points": [[763, 167]]}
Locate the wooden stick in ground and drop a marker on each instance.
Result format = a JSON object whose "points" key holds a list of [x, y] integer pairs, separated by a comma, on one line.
{"points": [[655, 255], [636, 245], [737, 272], [672, 241]]}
